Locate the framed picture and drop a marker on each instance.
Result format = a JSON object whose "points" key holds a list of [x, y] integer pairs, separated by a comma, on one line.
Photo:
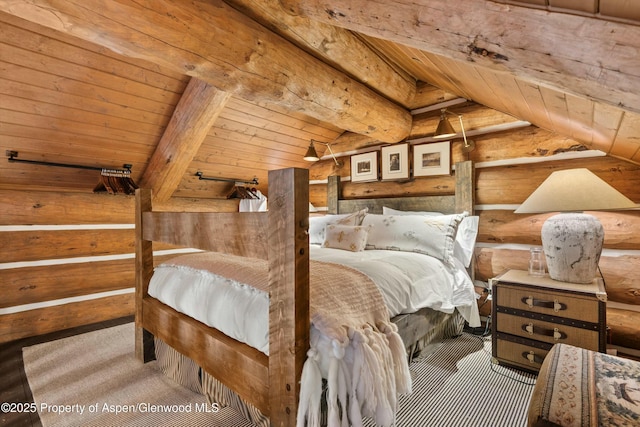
{"points": [[395, 161], [364, 167], [432, 159]]}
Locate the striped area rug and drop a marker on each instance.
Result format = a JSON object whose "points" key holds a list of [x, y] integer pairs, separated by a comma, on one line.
{"points": [[457, 385], [94, 379]]}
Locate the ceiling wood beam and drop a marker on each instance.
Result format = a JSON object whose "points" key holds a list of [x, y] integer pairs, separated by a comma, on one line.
{"points": [[197, 110], [334, 45], [427, 95], [584, 56], [216, 43], [477, 119]]}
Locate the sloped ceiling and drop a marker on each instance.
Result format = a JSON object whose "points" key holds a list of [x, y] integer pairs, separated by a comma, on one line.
{"points": [[239, 88]]}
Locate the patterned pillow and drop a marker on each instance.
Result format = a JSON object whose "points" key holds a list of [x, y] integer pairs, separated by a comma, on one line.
{"points": [[430, 235], [465, 237], [350, 238], [354, 218], [317, 224]]}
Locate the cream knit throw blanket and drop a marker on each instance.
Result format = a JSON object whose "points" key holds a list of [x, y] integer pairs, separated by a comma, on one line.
{"points": [[357, 350]]}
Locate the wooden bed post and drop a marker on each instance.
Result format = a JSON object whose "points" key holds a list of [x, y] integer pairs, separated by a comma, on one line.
{"points": [[288, 290], [465, 187], [333, 194], [466, 198], [144, 268]]}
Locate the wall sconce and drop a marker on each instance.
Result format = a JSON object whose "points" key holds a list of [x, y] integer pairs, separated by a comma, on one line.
{"points": [[445, 130], [312, 154]]}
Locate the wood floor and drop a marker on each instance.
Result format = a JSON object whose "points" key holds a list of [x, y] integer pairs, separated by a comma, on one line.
{"points": [[14, 387]]}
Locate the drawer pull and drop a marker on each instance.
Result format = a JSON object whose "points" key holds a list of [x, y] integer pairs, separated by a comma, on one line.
{"points": [[555, 305], [532, 357], [528, 328], [554, 333], [557, 335]]}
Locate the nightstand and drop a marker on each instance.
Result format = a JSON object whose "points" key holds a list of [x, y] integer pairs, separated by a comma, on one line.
{"points": [[531, 314]]}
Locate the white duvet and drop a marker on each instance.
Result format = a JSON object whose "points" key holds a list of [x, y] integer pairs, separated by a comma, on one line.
{"points": [[408, 282]]}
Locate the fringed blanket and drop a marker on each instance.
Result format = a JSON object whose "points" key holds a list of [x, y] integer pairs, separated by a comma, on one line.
{"points": [[355, 347]]}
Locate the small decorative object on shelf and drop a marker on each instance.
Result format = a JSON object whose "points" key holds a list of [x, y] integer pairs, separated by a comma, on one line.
{"points": [[536, 262]]}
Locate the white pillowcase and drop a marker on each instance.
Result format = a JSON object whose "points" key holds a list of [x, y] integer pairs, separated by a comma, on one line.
{"points": [[430, 235], [347, 237], [465, 237]]}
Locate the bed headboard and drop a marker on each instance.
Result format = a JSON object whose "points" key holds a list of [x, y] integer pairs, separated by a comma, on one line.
{"points": [[462, 200]]}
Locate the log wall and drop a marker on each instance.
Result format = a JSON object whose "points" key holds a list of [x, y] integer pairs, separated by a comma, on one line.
{"points": [[68, 258], [509, 167]]}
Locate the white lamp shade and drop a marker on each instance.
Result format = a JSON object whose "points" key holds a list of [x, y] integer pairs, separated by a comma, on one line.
{"points": [[574, 190]]}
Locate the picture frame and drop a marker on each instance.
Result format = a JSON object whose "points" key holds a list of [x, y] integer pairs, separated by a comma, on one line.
{"points": [[364, 167], [432, 159], [395, 162]]}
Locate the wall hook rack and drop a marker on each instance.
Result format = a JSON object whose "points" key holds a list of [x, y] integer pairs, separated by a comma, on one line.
{"points": [[254, 181], [13, 157]]}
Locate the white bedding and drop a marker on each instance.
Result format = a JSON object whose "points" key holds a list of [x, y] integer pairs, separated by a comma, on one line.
{"points": [[408, 282]]}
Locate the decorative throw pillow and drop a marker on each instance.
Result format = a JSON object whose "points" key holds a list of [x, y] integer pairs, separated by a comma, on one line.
{"points": [[430, 235], [350, 238], [317, 224], [354, 218]]}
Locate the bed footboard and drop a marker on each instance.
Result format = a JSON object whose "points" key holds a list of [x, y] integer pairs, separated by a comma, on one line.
{"points": [[272, 384]]}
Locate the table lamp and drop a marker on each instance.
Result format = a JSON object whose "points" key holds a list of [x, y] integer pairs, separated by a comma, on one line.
{"points": [[572, 240]]}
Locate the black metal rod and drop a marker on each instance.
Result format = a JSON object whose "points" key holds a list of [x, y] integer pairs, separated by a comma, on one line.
{"points": [[13, 154], [254, 181]]}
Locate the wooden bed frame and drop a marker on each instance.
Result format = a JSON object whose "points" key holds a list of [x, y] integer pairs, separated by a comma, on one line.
{"points": [[462, 200], [270, 383]]}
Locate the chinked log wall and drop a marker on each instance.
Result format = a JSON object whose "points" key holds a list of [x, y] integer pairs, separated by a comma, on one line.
{"points": [[509, 166], [68, 258], [44, 265]]}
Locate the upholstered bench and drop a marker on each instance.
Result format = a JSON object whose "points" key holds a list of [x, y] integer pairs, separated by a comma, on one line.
{"points": [[578, 387]]}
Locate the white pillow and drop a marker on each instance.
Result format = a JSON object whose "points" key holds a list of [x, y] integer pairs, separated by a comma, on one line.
{"points": [[430, 235], [347, 237], [317, 224], [465, 237]]}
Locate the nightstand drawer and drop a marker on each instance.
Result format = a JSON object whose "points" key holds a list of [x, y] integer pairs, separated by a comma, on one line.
{"points": [[561, 304], [532, 313], [520, 354], [548, 332]]}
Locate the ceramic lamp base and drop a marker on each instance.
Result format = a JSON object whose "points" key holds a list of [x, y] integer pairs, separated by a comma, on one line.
{"points": [[572, 244]]}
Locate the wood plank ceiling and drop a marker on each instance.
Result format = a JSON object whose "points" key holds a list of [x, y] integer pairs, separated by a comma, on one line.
{"points": [[177, 87]]}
